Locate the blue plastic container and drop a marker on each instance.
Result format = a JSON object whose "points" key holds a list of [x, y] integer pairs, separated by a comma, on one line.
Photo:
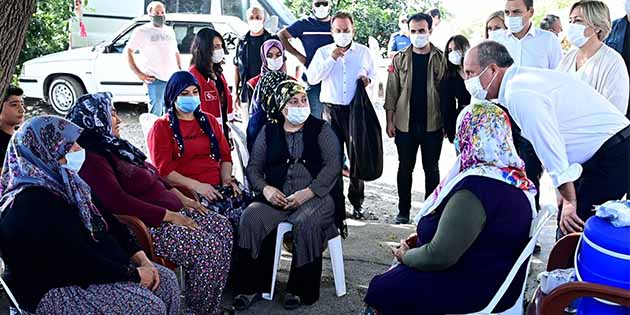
{"points": [[603, 258]]}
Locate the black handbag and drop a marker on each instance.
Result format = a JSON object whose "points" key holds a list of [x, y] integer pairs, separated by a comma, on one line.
{"points": [[366, 139]]}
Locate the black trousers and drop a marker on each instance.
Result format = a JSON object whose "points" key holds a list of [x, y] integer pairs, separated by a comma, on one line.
{"points": [[254, 275], [408, 143], [533, 166], [339, 118]]}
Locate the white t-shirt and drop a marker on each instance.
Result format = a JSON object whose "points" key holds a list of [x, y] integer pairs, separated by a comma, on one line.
{"points": [[158, 50]]}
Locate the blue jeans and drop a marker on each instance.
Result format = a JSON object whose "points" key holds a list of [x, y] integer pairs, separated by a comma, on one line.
{"points": [[156, 97], [313, 99]]}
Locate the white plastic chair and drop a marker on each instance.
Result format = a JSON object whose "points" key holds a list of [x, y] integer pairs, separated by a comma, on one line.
{"points": [[336, 257], [537, 226], [146, 122], [12, 310], [242, 155]]}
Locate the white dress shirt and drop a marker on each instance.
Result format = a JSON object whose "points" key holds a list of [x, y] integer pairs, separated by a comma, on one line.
{"points": [[538, 49], [605, 71], [339, 77], [564, 118]]}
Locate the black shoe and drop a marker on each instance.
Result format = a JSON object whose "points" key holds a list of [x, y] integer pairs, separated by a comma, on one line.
{"points": [[537, 248], [243, 301], [291, 302], [357, 213], [400, 219]]}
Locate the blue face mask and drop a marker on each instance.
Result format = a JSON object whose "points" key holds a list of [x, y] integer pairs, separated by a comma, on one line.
{"points": [[188, 104], [74, 160]]}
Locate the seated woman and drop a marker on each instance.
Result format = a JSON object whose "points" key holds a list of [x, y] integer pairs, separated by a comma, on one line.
{"points": [[189, 149], [183, 231], [63, 255], [294, 165], [471, 230]]}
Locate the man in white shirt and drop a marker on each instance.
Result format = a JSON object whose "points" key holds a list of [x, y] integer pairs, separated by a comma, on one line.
{"points": [[337, 67], [581, 138], [159, 57]]}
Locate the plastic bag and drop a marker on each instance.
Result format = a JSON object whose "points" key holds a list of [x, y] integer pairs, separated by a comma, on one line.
{"points": [[366, 140], [550, 280], [616, 212]]}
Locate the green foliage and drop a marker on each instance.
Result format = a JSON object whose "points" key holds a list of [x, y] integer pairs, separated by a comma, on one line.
{"points": [[48, 30], [376, 18]]}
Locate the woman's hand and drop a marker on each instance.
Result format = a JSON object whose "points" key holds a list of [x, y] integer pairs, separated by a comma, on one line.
{"points": [[400, 251], [298, 198], [231, 182], [207, 191], [412, 240], [149, 277], [194, 204], [180, 219], [275, 197]]}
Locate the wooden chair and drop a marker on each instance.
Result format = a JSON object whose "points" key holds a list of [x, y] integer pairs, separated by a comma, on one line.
{"points": [[561, 257]]}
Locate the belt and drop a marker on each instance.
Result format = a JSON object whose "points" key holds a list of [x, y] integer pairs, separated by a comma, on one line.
{"points": [[618, 138]]}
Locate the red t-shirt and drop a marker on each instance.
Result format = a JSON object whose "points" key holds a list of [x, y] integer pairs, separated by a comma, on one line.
{"points": [[196, 162], [209, 95]]}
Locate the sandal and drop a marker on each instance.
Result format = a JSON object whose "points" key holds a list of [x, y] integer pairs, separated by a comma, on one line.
{"points": [[291, 302], [243, 301]]}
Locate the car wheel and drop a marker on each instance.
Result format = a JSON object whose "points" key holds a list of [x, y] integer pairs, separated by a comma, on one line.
{"points": [[63, 93]]}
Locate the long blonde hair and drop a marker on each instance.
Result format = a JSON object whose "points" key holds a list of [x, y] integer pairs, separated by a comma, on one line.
{"points": [[597, 15]]}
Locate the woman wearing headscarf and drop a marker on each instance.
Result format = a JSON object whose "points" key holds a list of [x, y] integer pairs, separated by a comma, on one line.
{"points": [[208, 51], [189, 150], [63, 255], [293, 167], [183, 231], [470, 231], [273, 59]]}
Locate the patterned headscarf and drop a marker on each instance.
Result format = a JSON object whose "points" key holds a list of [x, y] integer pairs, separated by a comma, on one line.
{"points": [[180, 81], [485, 147], [263, 97], [33, 161], [264, 49], [93, 113], [284, 92]]}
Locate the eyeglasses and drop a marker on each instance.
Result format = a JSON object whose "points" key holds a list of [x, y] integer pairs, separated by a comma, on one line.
{"points": [[321, 4]]}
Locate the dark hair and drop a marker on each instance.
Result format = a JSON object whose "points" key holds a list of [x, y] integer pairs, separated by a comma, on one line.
{"points": [[462, 44], [342, 15], [435, 12], [492, 52], [421, 17], [202, 49], [547, 22], [12, 90], [528, 3]]}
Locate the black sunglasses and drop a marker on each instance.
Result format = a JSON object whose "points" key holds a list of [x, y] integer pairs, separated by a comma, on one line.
{"points": [[321, 4]]}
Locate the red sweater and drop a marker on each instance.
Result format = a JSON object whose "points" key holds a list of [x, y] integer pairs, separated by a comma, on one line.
{"points": [[209, 95], [196, 162]]}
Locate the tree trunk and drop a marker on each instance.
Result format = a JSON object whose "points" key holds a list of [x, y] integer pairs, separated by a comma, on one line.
{"points": [[14, 18]]}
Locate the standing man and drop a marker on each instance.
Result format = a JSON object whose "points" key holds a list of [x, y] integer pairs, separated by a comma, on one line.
{"points": [[337, 67], [619, 40], [12, 111], [314, 32], [562, 116], [399, 40], [412, 102], [248, 60], [159, 56]]}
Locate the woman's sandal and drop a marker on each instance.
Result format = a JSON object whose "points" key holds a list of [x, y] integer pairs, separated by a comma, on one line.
{"points": [[291, 301], [243, 301]]}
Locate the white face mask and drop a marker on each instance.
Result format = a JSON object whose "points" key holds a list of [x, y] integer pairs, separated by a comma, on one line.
{"points": [[255, 25], [494, 34], [455, 57], [419, 40], [298, 115], [342, 39], [322, 12], [575, 33], [474, 87], [514, 23], [275, 64], [74, 160], [217, 55]]}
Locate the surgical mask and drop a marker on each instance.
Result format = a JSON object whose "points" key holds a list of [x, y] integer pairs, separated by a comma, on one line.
{"points": [[419, 40], [217, 55], [322, 12], [514, 23], [158, 20], [455, 57], [255, 25], [188, 104], [74, 160], [298, 115], [275, 64], [474, 87], [575, 33], [492, 35], [342, 39]]}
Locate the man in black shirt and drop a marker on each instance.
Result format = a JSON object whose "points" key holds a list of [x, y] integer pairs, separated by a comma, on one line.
{"points": [[412, 103], [11, 115]]}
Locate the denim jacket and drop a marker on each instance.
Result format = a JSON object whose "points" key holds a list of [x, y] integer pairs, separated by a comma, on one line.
{"points": [[616, 37]]}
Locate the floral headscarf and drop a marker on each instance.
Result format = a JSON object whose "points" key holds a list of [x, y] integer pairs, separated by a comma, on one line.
{"points": [[264, 97], [264, 49], [33, 161], [485, 147], [284, 92], [93, 113]]}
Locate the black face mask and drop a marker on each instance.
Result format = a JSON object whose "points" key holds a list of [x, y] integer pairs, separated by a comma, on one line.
{"points": [[158, 20]]}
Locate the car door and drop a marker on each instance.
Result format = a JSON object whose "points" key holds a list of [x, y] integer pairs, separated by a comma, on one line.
{"points": [[113, 74]]}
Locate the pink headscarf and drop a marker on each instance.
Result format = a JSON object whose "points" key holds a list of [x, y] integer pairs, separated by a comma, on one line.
{"points": [[264, 49]]}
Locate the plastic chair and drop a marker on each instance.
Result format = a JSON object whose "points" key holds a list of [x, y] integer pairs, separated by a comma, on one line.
{"points": [[537, 226], [240, 149], [336, 257], [146, 122], [16, 307]]}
